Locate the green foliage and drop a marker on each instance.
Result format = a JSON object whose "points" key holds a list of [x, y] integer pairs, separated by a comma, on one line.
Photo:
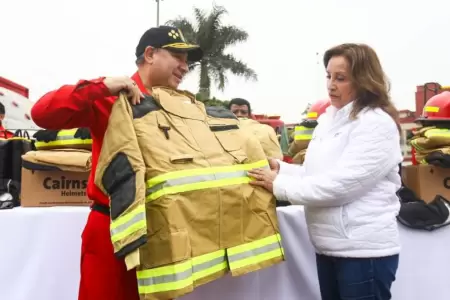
{"points": [[214, 39], [212, 101]]}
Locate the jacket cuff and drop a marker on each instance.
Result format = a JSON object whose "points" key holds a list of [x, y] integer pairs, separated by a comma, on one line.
{"points": [[279, 187]]}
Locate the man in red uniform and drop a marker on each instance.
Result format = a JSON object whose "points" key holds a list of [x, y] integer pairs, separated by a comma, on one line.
{"points": [[5, 134], [162, 59]]}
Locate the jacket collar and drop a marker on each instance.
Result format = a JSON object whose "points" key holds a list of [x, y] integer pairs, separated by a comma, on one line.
{"points": [[339, 113]]}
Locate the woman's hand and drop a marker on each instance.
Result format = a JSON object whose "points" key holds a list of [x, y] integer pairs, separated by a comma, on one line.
{"points": [[264, 177], [274, 165]]}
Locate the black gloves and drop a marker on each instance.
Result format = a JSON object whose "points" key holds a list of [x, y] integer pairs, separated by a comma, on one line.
{"points": [[46, 135], [51, 135], [83, 134]]}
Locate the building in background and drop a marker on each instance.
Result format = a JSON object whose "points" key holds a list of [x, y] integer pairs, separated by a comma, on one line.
{"points": [[17, 105]]}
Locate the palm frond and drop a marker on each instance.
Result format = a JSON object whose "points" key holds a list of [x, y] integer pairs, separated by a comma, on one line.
{"points": [[214, 38]]}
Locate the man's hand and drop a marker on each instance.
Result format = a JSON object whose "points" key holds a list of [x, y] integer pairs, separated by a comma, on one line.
{"points": [[116, 85]]}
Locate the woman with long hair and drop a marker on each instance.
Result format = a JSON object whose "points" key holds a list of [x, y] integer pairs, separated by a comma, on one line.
{"points": [[349, 179]]}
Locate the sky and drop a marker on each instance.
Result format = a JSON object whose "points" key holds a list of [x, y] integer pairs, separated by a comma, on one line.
{"points": [[47, 43]]}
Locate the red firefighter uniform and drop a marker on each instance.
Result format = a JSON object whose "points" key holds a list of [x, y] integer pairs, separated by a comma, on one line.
{"points": [[88, 104], [5, 134], [182, 208]]}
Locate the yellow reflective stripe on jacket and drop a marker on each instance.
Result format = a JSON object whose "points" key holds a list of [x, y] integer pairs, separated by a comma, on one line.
{"points": [[181, 275], [312, 114], [303, 133], [255, 252], [414, 144], [199, 179], [423, 162], [64, 137], [15, 138], [127, 224], [437, 132]]}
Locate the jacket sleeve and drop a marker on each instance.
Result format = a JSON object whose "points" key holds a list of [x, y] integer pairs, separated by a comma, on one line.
{"points": [[274, 148], [120, 174], [371, 153], [70, 106], [291, 169]]}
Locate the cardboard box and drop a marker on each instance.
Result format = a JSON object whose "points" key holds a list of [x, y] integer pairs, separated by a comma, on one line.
{"points": [[427, 181], [54, 188]]}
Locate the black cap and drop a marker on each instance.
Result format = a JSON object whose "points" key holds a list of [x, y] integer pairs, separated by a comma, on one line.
{"points": [[169, 38]]}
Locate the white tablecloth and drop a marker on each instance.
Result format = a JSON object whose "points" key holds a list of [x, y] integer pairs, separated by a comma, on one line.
{"points": [[40, 252]]}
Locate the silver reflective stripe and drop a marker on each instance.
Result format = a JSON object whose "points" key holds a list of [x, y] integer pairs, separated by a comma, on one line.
{"points": [[196, 179], [137, 218], [165, 278], [181, 275], [66, 134], [304, 132], [208, 264], [65, 137], [253, 252]]}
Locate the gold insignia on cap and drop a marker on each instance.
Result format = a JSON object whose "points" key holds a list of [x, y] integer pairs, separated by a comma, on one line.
{"points": [[173, 34], [181, 35]]}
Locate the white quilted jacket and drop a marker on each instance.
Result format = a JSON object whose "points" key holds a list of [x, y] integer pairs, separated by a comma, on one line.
{"points": [[348, 184]]}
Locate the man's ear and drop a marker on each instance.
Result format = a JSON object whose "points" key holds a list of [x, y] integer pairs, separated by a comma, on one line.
{"points": [[2, 117], [149, 54]]}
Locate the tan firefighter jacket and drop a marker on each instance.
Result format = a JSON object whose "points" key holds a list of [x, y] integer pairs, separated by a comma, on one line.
{"points": [[71, 160], [429, 138], [299, 158], [266, 136], [422, 156], [430, 143], [182, 210], [302, 137], [77, 138]]}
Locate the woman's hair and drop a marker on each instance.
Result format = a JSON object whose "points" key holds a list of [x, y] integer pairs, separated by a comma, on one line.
{"points": [[368, 78]]}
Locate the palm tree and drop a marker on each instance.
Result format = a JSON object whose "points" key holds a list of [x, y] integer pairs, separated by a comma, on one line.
{"points": [[214, 38]]}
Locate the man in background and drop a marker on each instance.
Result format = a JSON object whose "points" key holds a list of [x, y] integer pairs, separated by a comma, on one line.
{"points": [[3, 132], [266, 135], [240, 107]]}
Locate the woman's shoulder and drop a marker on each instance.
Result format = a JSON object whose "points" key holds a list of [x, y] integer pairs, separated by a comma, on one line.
{"points": [[376, 118]]}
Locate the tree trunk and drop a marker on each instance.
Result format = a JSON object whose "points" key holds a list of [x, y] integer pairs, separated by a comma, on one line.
{"points": [[205, 82]]}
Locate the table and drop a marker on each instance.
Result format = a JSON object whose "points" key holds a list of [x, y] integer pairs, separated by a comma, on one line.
{"points": [[41, 248]]}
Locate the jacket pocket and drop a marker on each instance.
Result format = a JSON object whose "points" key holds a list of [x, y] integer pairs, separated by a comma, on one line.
{"points": [[173, 134], [166, 248], [182, 158], [232, 142]]}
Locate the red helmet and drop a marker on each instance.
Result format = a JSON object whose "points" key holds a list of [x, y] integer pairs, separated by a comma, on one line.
{"points": [[317, 109], [437, 108]]}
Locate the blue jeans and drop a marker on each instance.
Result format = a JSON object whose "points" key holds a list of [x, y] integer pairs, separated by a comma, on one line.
{"points": [[356, 278]]}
